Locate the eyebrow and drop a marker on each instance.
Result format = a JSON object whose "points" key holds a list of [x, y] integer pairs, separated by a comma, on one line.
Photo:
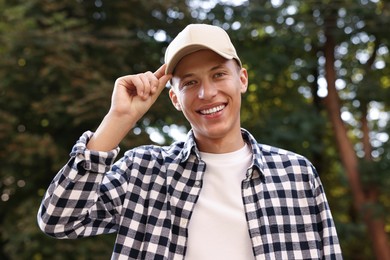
{"points": [[186, 76], [219, 66]]}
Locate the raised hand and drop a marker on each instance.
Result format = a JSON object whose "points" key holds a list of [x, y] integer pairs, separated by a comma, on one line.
{"points": [[132, 97]]}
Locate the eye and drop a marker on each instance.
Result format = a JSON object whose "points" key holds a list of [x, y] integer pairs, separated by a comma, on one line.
{"points": [[188, 83], [219, 74]]}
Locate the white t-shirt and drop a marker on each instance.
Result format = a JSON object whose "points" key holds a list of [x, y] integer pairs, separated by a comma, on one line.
{"points": [[218, 227]]}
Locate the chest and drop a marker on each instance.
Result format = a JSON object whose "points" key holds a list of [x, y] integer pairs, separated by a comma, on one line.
{"points": [[156, 213]]}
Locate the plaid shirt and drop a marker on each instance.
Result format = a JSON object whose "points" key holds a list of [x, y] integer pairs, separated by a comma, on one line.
{"points": [[147, 198]]}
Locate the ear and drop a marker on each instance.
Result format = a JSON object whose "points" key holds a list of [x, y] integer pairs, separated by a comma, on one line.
{"points": [[174, 99], [244, 80]]}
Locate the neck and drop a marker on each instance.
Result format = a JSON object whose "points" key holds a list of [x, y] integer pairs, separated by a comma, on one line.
{"points": [[217, 145]]}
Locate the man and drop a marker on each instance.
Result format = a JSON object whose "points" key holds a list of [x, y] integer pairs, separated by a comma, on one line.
{"points": [[218, 195]]}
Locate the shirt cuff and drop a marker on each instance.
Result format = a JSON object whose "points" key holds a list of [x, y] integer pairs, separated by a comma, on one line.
{"points": [[92, 161]]}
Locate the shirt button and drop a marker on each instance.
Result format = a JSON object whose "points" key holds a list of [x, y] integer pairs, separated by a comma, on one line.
{"points": [[197, 183]]}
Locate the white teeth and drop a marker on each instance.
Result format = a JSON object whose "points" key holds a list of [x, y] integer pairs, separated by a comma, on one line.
{"points": [[212, 110]]}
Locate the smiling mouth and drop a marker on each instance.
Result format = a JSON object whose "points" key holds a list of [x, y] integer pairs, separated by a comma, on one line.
{"points": [[213, 110]]}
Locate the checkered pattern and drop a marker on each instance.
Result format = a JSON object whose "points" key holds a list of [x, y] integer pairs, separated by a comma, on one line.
{"points": [[147, 198]]}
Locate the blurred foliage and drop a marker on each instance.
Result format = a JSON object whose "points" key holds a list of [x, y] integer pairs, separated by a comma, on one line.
{"points": [[59, 60]]}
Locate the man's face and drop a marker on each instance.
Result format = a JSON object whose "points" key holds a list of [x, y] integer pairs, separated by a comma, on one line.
{"points": [[208, 88]]}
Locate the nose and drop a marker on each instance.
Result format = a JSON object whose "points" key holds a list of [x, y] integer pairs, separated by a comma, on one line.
{"points": [[207, 90]]}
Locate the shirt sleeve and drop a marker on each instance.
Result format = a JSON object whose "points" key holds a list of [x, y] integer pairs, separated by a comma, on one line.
{"points": [[74, 204], [330, 242]]}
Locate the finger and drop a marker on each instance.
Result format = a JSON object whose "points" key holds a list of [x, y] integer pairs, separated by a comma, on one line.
{"points": [[126, 82], [147, 79], [162, 82], [160, 71], [153, 82], [138, 84]]}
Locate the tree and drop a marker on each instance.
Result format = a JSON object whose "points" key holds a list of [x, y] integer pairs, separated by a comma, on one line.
{"points": [[311, 83], [364, 197], [316, 49]]}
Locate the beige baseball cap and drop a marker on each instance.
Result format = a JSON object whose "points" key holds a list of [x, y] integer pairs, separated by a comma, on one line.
{"points": [[197, 37]]}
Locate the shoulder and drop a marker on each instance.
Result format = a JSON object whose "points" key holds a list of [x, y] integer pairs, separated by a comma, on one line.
{"points": [[269, 152], [154, 152], [178, 151], [273, 151], [274, 159], [277, 157], [289, 169]]}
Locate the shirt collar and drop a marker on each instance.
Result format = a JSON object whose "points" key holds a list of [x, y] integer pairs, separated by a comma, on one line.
{"points": [[190, 147], [258, 158]]}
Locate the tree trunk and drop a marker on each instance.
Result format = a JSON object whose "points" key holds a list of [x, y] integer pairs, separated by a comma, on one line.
{"points": [[375, 225]]}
